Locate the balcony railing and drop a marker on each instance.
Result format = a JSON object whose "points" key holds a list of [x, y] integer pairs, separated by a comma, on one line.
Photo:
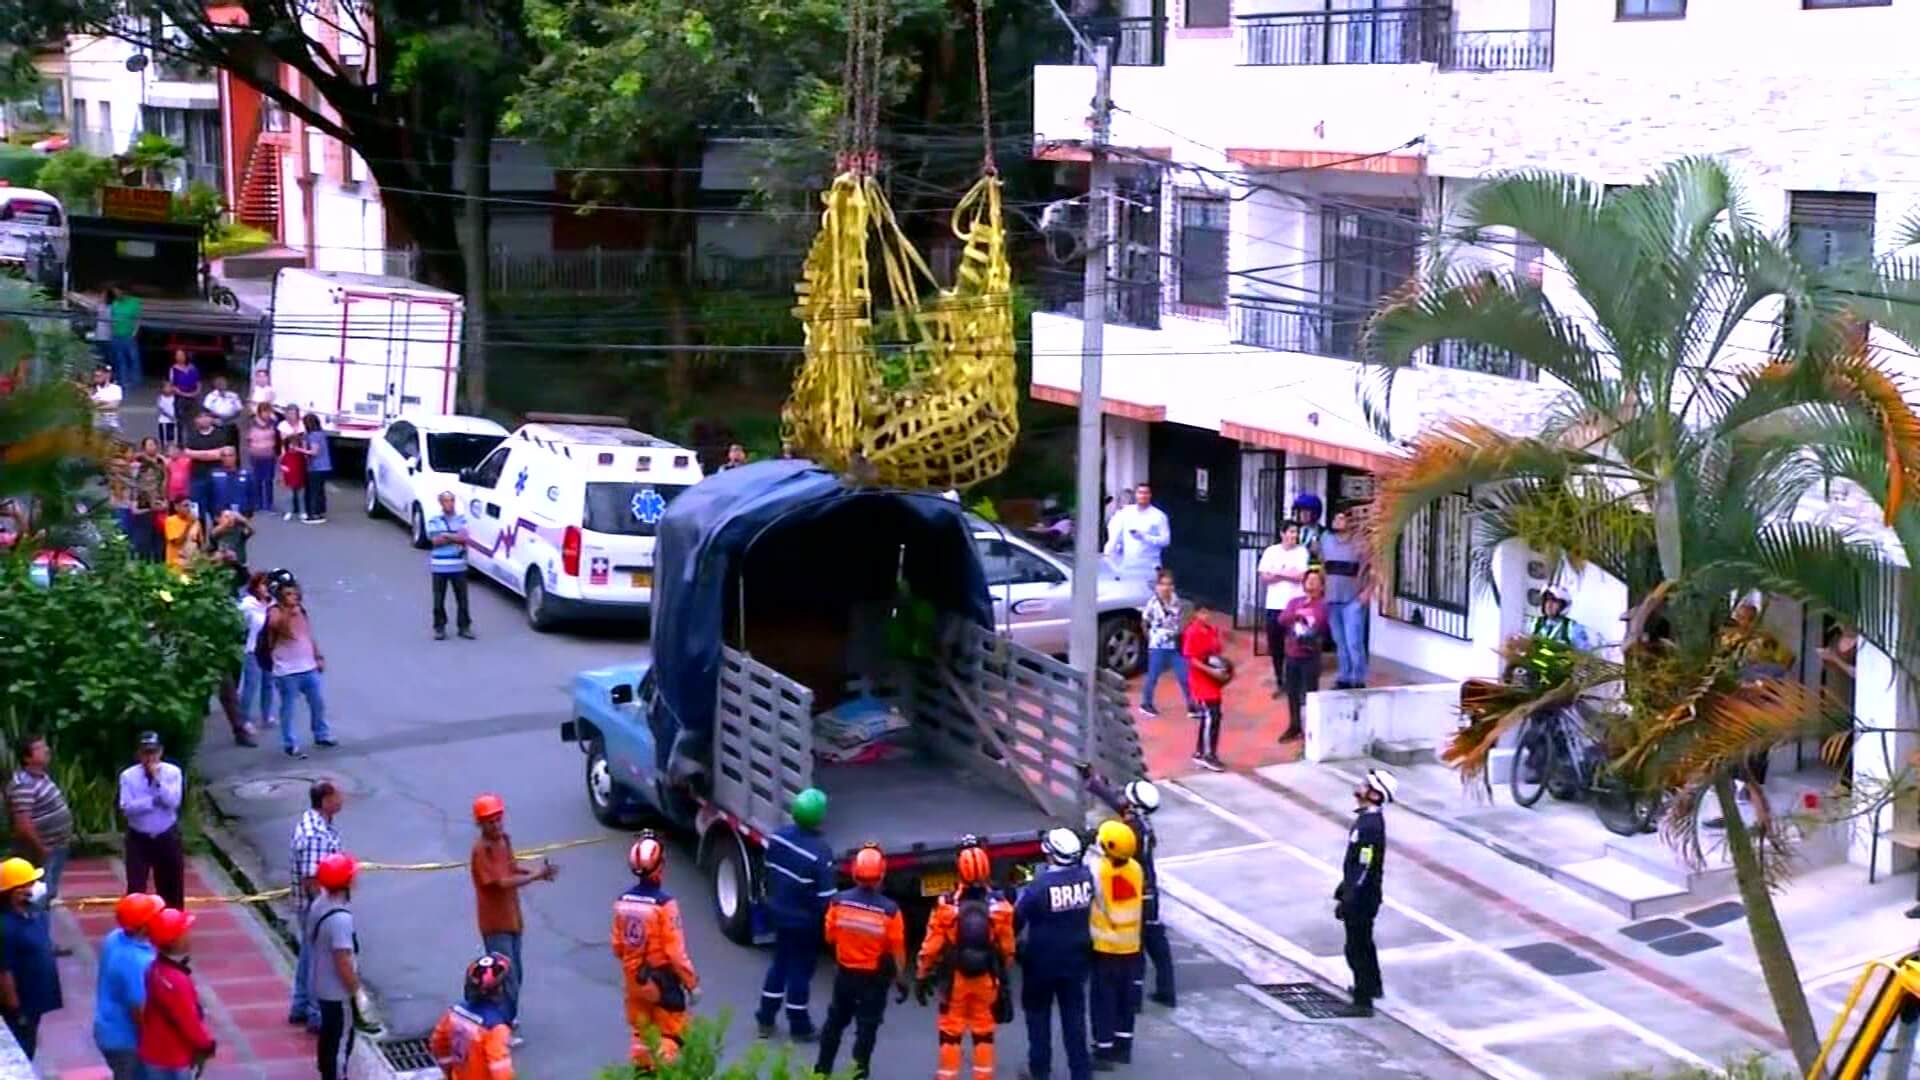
{"points": [[1138, 40], [1129, 302], [1500, 50], [1306, 326], [1405, 35], [1474, 356]]}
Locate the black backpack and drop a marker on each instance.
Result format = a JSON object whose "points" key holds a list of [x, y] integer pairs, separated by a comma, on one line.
{"points": [[973, 938]]}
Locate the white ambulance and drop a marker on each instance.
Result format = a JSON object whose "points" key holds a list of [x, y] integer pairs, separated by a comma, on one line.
{"points": [[563, 513]]}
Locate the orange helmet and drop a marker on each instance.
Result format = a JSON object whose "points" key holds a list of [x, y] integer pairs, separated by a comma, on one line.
{"points": [[975, 867], [869, 865], [136, 910], [647, 857], [168, 927], [488, 805], [336, 871]]}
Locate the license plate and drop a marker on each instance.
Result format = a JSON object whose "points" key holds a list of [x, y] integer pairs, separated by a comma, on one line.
{"points": [[643, 579], [939, 883]]}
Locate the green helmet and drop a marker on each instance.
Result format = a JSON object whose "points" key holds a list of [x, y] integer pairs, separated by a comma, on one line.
{"points": [[809, 808]]}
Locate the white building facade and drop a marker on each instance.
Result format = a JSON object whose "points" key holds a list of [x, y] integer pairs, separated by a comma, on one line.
{"points": [[1281, 166]]}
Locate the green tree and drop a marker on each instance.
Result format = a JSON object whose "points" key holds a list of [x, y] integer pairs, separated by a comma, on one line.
{"points": [[76, 177], [1674, 462], [150, 158]]}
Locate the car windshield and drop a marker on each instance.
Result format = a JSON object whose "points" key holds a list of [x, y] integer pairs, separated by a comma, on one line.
{"points": [[455, 450], [627, 508]]}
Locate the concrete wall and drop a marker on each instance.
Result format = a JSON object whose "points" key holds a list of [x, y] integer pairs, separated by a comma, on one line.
{"points": [[1343, 724]]}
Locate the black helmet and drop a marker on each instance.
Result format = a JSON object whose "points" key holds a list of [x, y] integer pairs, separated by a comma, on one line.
{"points": [[279, 578]]}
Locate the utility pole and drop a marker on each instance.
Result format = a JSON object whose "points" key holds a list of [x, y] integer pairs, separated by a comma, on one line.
{"points": [[1083, 643]]}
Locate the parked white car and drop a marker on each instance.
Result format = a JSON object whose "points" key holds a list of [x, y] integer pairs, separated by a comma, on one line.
{"points": [[416, 458], [1033, 600]]}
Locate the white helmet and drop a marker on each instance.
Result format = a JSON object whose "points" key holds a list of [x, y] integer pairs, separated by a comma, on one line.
{"points": [[1382, 781], [1144, 796], [1062, 846]]}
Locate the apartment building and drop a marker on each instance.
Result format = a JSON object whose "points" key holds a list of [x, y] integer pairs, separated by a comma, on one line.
{"points": [[119, 91], [1282, 164]]}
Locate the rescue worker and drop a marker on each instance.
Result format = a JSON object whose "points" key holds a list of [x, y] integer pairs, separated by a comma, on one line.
{"points": [[869, 942], [472, 1040], [966, 954], [1052, 922], [1119, 888], [652, 949], [1136, 804], [1357, 898], [801, 878]]}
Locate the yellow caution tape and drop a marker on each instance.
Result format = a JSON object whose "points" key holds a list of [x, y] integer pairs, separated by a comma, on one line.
{"points": [[276, 894]]}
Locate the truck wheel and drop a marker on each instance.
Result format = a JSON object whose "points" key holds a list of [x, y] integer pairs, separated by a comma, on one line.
{"points": [[1123, 648], [611, 806], [539, 611], [417, 523], [726, 866], [374, 509]]}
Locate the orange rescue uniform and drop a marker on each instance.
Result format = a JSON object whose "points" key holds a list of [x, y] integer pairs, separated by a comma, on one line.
{"points": [[648, 941], [966, 1003], [864, 929], [470, 1043]]}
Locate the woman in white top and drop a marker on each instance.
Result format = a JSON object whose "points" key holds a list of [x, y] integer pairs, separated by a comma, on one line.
{"points": [[261, 392], [255, 687], [1283, 567]]}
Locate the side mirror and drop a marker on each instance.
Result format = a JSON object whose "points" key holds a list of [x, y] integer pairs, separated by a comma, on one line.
{"points": [[621, 694], [413, 463], [466, 475]]}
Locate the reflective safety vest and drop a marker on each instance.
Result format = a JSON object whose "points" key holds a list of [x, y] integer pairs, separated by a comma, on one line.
{"points": [[1119, 895], [470, 1043]]}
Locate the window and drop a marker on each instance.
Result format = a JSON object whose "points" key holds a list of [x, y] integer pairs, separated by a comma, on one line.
{"points": [[451, 451], [1208, 13], [1430, 571], [1845, 3], [1827, 228], [403, 439], [1651, 9], [1006, 564], [627, 508], [53, 100], [488, 474], [1202, 255]]}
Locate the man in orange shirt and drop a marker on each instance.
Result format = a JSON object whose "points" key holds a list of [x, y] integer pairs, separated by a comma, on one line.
{"points": [[652, 949], [968, 950], [471, 1040], [498, 878], [869, 941]]}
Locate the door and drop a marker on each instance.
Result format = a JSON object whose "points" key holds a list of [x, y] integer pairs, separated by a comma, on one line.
{"points": [[482, 497], [1032, 598], [1369, 252], [618, 520], [392, 461], [1262, 473], [1196, 480], [420, 362]]}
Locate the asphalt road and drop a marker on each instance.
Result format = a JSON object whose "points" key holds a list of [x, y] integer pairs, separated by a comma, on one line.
{"points": [[425, 725]]}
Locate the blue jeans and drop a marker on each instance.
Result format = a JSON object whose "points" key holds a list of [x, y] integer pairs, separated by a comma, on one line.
{"points": [[790, 977], [508, 945], [256, 688], [307, 685], [126, 360], [303, 1008], [1348, 621], [1160, 661], [55, 865], [261, 480]]}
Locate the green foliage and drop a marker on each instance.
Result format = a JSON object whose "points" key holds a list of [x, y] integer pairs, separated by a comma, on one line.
{"points": [[237, 238], [20, 167], [77, 177], [150, 157], [95, 658], [701, 1058], [1755, 1066], [202, 205]]}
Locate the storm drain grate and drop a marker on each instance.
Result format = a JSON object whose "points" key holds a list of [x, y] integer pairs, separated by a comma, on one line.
{"points": [[406, 1055], [1307, 999]]}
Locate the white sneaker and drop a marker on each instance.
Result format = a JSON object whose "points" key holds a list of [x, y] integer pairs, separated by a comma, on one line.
{"points": [[288, 516]]}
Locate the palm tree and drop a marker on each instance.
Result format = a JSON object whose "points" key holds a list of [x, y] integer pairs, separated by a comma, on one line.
{"points": [[1674, 461]]}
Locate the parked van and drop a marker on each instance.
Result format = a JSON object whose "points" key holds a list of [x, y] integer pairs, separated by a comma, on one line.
{"points": [[27, 217], [564, 511], [358, 350]]}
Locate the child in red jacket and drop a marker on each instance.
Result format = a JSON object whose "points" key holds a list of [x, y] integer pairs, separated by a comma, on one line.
{"points": [[174, 1040], [1208, 671]]}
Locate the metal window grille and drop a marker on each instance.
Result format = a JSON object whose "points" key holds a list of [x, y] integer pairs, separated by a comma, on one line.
{"points": [[1431, 574], [1202, 263]]}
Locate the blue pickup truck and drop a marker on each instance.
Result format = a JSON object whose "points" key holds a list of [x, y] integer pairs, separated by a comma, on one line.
{"points": [[778, 589]]}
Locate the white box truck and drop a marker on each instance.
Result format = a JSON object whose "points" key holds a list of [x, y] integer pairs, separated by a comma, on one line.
{"points": [[358, 350]]}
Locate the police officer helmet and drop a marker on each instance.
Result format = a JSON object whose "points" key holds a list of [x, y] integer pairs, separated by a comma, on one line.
{"points": [[1062, 846], [1308, 501], [1116, 840], [1382, 783], [1143, 796], [1553, 594], [487, 976]]}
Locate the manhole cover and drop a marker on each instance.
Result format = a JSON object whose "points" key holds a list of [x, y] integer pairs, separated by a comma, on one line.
{"points": [[406, 1055], [270, 788], [1552, 958], [1307, 999], [1719, 914], [1653, 929], [1686, 944]]}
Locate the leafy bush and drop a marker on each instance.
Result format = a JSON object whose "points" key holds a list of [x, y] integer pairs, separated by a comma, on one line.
{"points": [[94, 658], [235, 238], [200, 205], [77, 177], [700, 1059], [20, 167]]}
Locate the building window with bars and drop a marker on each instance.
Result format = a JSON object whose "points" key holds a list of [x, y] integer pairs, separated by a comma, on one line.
{"points": [[1431, 575], [1651, 9], [1202, 254], [1208, 13], [1830, 228]]}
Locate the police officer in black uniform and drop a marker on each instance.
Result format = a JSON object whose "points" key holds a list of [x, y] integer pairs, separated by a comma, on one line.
{"points": [[1136, 803], [1056, 950], [1357, 899]]}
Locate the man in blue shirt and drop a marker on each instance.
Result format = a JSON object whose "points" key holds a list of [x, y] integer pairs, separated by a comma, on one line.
{"points": [[1056, 949], [29, 975], [447, 558], [801, 879], [121, 991]]}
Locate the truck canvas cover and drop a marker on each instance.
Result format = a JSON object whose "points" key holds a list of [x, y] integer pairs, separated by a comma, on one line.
{"points": [[811, 518]]}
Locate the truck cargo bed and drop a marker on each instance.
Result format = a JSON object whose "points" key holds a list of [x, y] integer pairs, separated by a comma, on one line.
{"points": [[918, 801]]}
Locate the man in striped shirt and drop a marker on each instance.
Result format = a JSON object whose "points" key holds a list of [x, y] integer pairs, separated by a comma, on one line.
{"points": [[447, 558], [42, 823], [314, 838]]}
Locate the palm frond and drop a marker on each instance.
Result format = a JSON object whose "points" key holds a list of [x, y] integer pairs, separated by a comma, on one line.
{"points": [[1488, 710]]}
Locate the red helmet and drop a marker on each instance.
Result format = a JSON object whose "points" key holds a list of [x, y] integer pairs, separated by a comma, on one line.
{"points": [[136, 910], [869, 865], [336, 871], [488, 805], [975, 867], [487, 976], [168, 927], [647, 857]]}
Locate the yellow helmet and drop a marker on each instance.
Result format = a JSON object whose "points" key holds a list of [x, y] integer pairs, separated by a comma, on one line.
{"points": [[18, 873], [1116, 839]]}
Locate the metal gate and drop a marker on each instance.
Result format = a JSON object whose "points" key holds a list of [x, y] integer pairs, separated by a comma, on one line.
{"points": [[1260, 510]]}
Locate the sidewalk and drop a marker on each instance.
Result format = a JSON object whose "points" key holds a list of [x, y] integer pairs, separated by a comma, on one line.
{"points": [[241, 972], [1514, 972]]}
